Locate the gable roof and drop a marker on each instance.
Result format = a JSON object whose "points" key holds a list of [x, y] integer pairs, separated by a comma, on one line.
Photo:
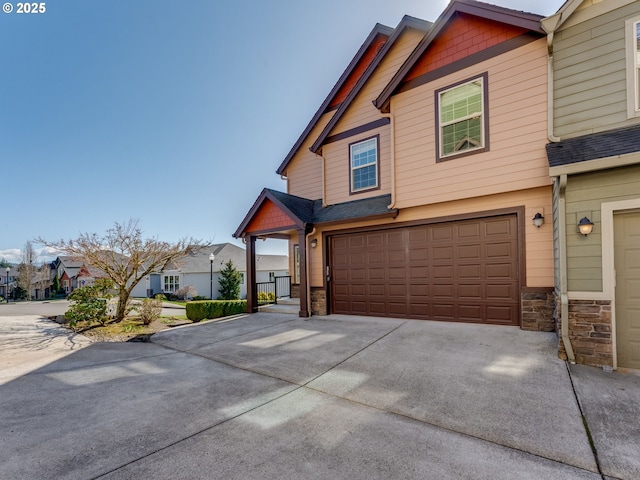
{"points": [[306, 213], [406, 22], [555, 21], [515, 18], [380, 33]]}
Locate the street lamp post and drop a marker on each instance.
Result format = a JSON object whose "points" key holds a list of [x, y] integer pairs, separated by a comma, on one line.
{"points": [[211, 259], [6, 285]]}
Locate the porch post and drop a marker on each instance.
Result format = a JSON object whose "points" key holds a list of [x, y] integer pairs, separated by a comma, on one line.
{"points": [[302, 242], [252, 288]]}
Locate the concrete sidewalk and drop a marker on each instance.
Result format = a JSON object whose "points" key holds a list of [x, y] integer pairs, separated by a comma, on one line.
{"points": [[276, 396]]}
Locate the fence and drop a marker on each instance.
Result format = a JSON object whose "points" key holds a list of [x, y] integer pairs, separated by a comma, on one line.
{"points": [[270, 292]]}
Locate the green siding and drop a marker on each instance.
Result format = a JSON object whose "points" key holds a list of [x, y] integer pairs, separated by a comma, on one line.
{"points": [[584, 195], [590, 92]]}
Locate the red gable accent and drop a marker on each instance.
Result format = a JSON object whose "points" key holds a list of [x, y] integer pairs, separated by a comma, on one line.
{"points": [[357, 72], [463, 36], [269, 217]]}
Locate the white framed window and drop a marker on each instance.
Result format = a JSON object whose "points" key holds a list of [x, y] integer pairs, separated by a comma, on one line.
{"points": [[632, 32], [272, 276], [461, 118], [363, 158], [171, 283], [241, 278]]}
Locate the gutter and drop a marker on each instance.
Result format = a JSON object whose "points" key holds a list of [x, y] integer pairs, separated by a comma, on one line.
{"points": [[550, 25]]}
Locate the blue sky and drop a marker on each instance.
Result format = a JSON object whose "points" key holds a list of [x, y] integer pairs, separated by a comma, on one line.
{"points": [[176, 113]]}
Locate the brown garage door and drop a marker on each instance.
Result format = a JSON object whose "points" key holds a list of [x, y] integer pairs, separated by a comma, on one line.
{"points": [[456, 271]]}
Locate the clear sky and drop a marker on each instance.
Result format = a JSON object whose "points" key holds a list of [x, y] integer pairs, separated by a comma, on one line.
{"points": [[176, 113]]}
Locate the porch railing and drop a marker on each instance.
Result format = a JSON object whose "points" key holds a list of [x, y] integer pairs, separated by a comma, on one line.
{"points": [[270, 292]]}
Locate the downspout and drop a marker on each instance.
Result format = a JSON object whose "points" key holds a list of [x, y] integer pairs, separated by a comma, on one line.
{"points": [[550, 26], [308, 266], [562, 245], [393, 158]]}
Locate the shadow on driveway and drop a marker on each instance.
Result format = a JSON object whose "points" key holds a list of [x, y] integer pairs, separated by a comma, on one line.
{"points": [[276, 396]]}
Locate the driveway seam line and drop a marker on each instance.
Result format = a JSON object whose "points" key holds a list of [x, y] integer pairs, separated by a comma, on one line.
{"points": [[224, 339], [592, 444]]}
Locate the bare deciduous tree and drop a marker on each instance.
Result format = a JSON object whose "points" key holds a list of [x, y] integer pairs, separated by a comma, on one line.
{"points": [[124, 256], [27, 269]]}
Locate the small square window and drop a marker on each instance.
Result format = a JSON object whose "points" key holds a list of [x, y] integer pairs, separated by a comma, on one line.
{"points": [[461, 118], [364, 165]]}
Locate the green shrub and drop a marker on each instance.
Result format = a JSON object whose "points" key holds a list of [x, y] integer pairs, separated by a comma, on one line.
{"points": [[201, 309], [265, 297]]}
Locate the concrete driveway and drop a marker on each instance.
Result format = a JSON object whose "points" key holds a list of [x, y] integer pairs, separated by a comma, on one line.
{"points": [[276, 396]]}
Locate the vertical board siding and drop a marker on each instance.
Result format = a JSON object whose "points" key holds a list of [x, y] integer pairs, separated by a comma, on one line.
{"points": [[517, 157], [584, 196], [590, 92]]}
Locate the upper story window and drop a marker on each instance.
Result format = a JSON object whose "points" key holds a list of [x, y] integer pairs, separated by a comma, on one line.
{"points": [[363, 158], [461, 118], [633, 67]]}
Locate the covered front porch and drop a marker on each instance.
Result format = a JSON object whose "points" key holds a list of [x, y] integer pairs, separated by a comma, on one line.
{"points": [[278, 215]]}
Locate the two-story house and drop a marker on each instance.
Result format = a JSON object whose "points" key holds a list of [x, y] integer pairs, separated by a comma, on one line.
{"points": [[594, 159], [413, 190]]}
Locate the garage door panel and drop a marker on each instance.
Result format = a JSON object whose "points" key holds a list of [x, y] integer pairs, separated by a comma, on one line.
{"points": [[470, 313], [499, 227], [469, 230], [444, 253], [457, 271]]}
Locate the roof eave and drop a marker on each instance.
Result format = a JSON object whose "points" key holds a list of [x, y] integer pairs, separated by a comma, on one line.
{"points": [[377, 30], [513, 17], [406, 22]]}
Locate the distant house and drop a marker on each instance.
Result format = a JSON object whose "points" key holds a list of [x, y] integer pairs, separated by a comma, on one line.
{"points": [[197, 270], [8, 281], [87, 276], [67, 269]]}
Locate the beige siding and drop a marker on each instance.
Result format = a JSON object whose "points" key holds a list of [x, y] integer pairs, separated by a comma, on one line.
{"points": [[338, 172], [584, 195], [304, 172], [590, 92], [360, 112], [517, 83], [538, 242]]}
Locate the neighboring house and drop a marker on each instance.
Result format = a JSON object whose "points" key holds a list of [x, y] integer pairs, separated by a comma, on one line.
{"points": [[411, 193], [67, 269], [87, 276], [196, 269], [594, 159], [8, 281]]}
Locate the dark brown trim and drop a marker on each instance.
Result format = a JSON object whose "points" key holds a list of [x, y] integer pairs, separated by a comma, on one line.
{"points": [[252, 287], [269, 232], [377, 187], [390, 214], [485, 118], [519, 212], [302, 241], [381, 122], [378, 30], [405, 23], [469, 61], [537, 290], [266, 194]]}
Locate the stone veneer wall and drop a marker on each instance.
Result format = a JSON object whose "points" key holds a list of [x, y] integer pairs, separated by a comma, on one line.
{"points": [[295, 290], [538, 305], [318, 301], [589, 332]]}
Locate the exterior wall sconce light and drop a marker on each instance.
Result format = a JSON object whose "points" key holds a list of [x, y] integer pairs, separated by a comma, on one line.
{"points": [[538, 220], [585, 226], [314, 243]]}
